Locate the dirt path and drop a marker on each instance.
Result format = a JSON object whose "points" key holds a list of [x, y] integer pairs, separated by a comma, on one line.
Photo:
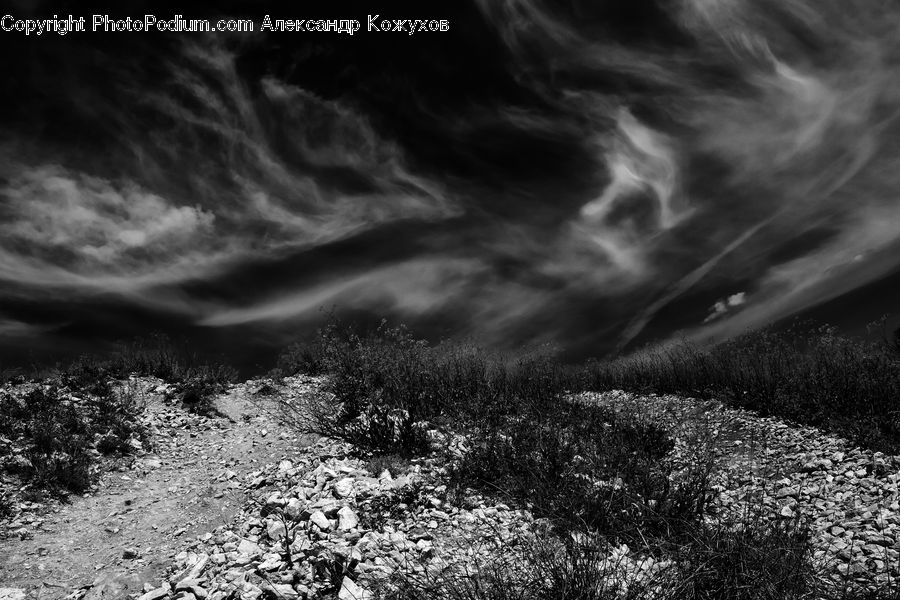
{"points": [[125, 533]]}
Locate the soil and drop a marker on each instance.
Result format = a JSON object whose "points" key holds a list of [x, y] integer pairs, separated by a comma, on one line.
{"points": [[125, 533]]}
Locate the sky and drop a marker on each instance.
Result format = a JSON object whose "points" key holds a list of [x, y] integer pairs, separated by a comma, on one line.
{"points": [[592, 175]]}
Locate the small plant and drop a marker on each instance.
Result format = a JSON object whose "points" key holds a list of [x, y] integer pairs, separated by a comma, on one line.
{"points": [[115, 412], [198, 389], [289, 533], [381, 509], [585, 466]]}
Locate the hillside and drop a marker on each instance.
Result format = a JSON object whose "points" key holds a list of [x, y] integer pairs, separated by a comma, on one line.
{"points": [[237, 505]]}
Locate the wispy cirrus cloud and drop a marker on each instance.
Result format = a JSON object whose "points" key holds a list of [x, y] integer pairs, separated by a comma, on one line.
{"points": [[605, 174], [226, 176], [61, 228]]}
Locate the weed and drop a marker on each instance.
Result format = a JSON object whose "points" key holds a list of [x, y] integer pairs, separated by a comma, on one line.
{"points": [[380, 510]]}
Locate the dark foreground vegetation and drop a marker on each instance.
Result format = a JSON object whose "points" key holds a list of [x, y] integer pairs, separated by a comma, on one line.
{"points": [[54, 428], [600, 478]]}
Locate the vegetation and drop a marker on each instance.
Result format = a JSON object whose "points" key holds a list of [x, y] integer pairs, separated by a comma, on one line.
{"points": [[766, 561], [814, 377], [591, 473], [54, 429]]}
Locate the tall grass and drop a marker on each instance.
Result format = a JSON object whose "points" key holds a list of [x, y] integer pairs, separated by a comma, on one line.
{"points": [[815, 377]]}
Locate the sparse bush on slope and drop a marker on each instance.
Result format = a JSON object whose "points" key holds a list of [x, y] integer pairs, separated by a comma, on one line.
{"points": [[575, 464], [594, 474], [89, 406], [383, 387], [59, 438]]}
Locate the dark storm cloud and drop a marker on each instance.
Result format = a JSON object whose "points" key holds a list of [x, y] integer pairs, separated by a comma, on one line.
{"points": [[592, 174]]}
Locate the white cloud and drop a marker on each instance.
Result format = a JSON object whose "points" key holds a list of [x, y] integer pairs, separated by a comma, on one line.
{"points": [[725, 305], [62, 227]]}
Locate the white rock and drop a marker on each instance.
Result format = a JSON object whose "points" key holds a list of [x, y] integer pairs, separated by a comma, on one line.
{"points": [[249, 548], [272, 562], [351, 591], [275, 499], [250, 591], [294, 508], [199, 566], [192, 586], [347, 519], [275, 530], [285, 591], [160, 592], [12, 594], [319, 519], [344, 487]]}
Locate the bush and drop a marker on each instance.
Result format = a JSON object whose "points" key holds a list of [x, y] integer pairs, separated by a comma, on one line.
{"points": [[200, 385], [154, 356], [55, 429], [56, 435], [114, 412], [385, 388], [306, 358], [584, 466]]}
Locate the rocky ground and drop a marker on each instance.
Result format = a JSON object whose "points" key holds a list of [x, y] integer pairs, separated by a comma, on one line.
{"points": [[848, 496], [131, 525], [237, 507]]}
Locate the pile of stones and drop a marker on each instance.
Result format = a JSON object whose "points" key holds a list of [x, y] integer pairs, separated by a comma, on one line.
{"points": [[328, 525]]}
